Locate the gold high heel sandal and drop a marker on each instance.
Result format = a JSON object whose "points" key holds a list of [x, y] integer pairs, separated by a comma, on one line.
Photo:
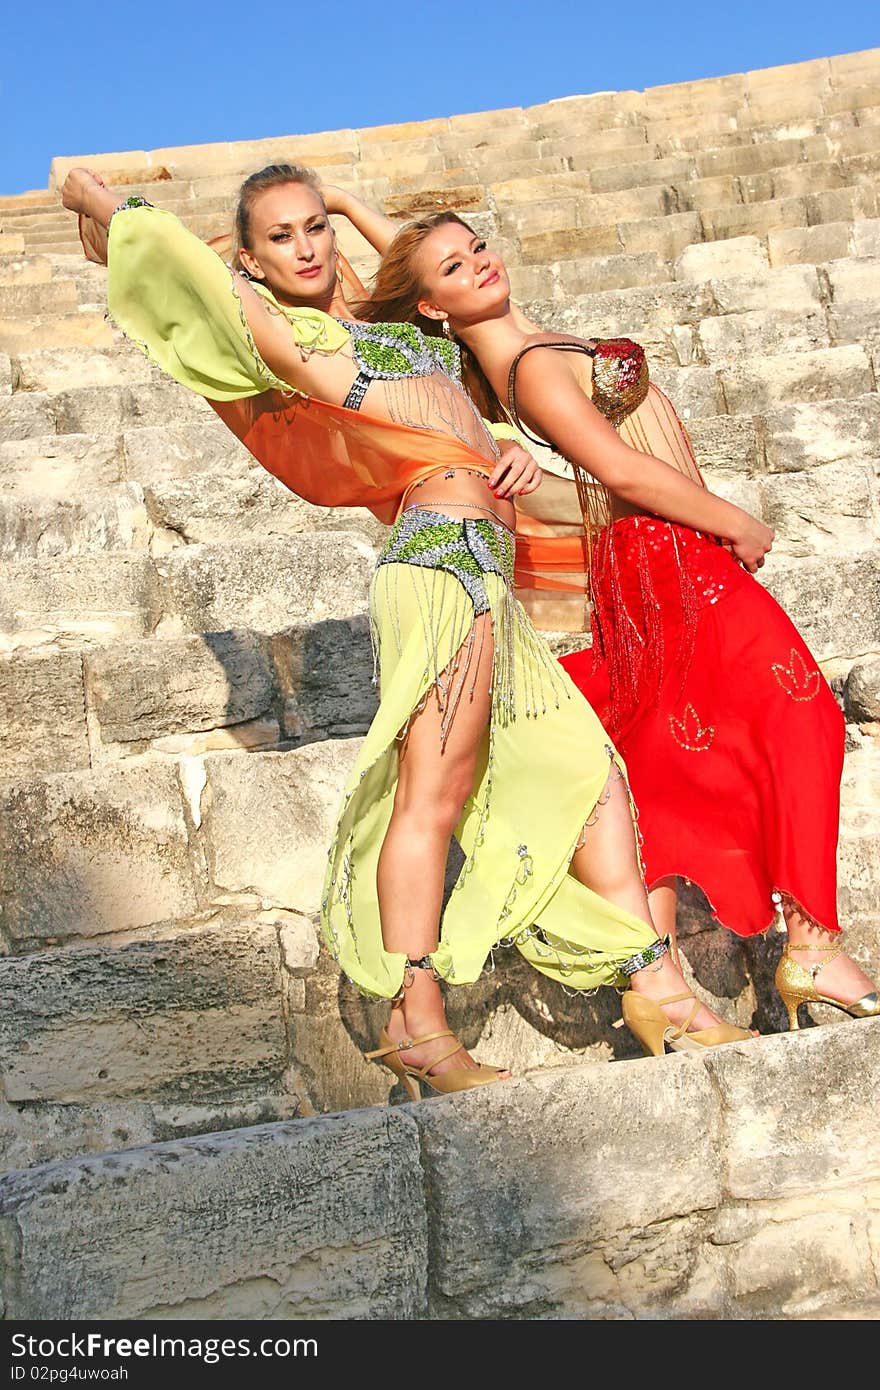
{"points": [[456, 1079], [648, 1023], [796, 985]]}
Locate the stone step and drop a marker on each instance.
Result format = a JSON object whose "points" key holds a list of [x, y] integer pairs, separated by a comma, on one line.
{"points": [[176, 696], [106, 851], [371, 1185], [85, 600], [78, 523], [86, 326]]}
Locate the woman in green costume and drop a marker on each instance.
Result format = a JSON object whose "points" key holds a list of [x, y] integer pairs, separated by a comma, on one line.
{"points": [[477, 721]]}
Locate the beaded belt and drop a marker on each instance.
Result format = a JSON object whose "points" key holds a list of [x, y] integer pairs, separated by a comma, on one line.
{"points": [[468, 549]]}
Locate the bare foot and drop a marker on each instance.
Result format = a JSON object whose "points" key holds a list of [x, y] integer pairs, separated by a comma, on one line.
{"points": [[668, 980], [421, 1011]]}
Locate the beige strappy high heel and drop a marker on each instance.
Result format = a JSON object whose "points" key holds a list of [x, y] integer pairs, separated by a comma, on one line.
{"points": [[456, 1079], [648, 1023]]}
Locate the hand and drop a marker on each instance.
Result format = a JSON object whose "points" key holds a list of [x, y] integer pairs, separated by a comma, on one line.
{"points": [[335, 199], [75, 189], [752, 543], [516, 472]]}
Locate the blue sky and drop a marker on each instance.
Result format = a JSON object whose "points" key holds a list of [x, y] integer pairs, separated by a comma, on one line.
{"points": [[162, 73]]}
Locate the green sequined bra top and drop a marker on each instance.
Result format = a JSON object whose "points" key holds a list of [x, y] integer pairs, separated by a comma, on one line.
{"points": [[391, 351]]}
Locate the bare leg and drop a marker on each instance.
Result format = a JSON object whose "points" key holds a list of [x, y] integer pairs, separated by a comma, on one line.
{"points": [[608, 863], [663, 901], [434, 782], [840, 978]]}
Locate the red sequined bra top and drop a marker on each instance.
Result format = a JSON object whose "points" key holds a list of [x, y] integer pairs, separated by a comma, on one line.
{"points": [[620, 374]]}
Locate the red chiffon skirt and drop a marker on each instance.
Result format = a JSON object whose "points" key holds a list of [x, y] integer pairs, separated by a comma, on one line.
{"points": [[732, 738]]}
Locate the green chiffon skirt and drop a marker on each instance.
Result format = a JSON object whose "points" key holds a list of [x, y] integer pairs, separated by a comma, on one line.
{"points": [[544, 765]]}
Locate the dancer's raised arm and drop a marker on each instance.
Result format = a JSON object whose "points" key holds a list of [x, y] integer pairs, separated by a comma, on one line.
{"points": [[374, 226]]}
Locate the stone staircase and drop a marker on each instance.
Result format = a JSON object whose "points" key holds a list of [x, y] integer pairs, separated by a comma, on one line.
{"points": [[184, 655]]}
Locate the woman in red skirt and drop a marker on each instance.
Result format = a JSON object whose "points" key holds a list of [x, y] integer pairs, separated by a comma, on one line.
{"points": [[732, 738]]}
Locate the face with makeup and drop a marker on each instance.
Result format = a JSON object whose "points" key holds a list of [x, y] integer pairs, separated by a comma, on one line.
{"points": [[291, 246], [462, 280]]}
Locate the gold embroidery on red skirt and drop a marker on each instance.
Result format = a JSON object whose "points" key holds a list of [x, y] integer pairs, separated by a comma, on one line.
{"points": [[689, 733], [797, 682]]}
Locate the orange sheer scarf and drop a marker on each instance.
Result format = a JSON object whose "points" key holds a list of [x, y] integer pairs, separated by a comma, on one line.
{"points": [[336, 457]]}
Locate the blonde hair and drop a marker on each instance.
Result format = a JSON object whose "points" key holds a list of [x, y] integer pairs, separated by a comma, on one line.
{"points": [[273, 176], [395, 296]]}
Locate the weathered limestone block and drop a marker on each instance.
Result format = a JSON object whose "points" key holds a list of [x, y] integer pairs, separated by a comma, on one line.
{"points": [[655, 316], [299, 940], [66, 369], [539, 217], [269, 817], [842, 204], [265, 585], [668, 235], [80, 523], [694, 391], [762, 332], [747, 158], [438, 193], [91, 852], [155, 454], [565, 242], [726, 442], [55, 464], [859, 865], [325, 672], [42, 719], [259, 1223], [532, 1180], [803, 436], [753, 219], [28, 270], [138, 691], [193, 1014], [211, 506], [11, 243], [856, 321], [83, 326], [100, 409], [801, 181], [52, 298], [790, 1262], [789, 290], [611, 273], [812, 245], [819, 1134], [760, 384], [613, 178], [865, 237], [35, 1132], [696, 194], [833, 508], [23, 415], [79, 599], [597, 149], [5, 375], [739, 256], [834, 603], [862, 691]]}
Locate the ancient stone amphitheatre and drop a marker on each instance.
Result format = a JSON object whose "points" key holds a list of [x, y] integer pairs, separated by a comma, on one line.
{"points": [[188, 1126]]}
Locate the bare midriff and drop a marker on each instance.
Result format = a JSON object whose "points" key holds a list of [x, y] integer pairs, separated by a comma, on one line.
{"points": [[460, 493]]}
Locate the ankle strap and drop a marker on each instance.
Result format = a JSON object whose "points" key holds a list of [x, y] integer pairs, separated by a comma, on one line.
{"points": [[406, 1043]]}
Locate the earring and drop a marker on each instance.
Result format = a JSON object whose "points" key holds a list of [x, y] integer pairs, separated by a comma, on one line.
{"points": [[446, 330], [339, 275]]}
